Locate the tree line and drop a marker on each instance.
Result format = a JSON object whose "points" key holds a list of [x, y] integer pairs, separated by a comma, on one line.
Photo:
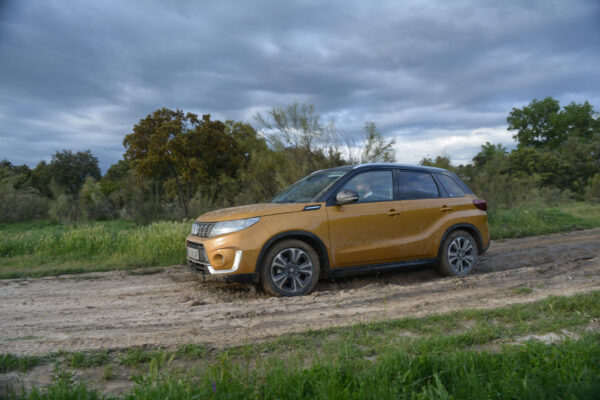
{"points": [[557, 157], [179, 165]]}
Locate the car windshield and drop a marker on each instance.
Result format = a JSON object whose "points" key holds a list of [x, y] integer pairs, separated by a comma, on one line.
{"points": [[309, 188]]}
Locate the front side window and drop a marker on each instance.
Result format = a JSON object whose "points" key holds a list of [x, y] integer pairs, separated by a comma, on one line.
{"points": [[372, 186], [417, 185]]}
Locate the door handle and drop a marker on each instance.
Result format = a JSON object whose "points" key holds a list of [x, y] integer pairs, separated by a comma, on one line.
{"points": [[446, 208], [393, 213]]}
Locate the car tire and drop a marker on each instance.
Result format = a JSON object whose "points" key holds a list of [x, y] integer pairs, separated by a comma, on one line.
{"points": [[290, 268], [459, 254]]}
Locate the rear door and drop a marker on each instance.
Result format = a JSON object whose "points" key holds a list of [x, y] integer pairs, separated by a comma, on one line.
{"points": [[423, 210], [369, 230]]}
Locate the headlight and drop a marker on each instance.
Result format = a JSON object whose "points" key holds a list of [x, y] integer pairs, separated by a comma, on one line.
{"points": [[221, 228]]}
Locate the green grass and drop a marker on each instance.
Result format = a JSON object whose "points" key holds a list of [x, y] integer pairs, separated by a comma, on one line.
{"points": [[539, 220], [569, 370], [86, 359], [469, 354], [523, 290], [10, 362], [137, 356], [41, 248]]}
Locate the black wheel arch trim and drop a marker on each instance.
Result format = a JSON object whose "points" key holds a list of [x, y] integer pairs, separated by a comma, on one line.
{"points": [[478, 238], [321, 248]]}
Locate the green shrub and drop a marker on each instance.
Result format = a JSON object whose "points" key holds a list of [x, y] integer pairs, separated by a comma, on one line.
{"points": [[592, 191], [22, 204], [64, 209], [94, 205]]}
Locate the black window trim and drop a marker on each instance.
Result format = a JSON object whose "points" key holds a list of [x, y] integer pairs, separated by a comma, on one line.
{"points": [[440, 188], [466, 190], [329, 197]]}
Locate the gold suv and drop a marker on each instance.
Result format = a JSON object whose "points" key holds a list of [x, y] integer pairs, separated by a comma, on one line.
{"points": [[344, 221]]}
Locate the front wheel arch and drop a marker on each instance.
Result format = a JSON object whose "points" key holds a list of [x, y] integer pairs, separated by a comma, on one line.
{"points": [[290, 261], [309, 238]]}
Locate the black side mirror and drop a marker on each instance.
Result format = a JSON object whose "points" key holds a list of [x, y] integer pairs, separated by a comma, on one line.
{"points": [[346, 196]]}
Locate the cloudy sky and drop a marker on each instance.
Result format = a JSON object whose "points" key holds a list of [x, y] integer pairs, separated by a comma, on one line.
{"points": [[439, 76]]}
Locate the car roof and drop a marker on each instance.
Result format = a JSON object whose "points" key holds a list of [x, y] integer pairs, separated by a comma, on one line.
{"points": [[399, 165], [383, 165]]}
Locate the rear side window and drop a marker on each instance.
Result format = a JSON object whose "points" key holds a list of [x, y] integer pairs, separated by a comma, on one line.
{"points": [[417, 185], [452, 187]]}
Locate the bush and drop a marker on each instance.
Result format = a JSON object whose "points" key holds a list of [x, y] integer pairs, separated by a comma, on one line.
{"points": [[93, 203], [22, 204], [592, 191], [64, 209]]}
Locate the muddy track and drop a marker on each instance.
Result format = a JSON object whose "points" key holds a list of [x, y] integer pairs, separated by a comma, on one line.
{"points": [[173, 307]]}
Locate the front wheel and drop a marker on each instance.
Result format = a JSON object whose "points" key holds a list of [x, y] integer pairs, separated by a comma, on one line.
{"points": [[291, 268], [459, 254]]}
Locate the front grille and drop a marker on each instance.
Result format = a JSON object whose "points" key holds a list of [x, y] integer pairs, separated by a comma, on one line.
{"points": [[202, 229], [201, 251]]}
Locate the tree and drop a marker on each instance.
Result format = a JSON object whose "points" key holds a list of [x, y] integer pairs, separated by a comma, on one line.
{"points": [[69, 170], [297, 130], [375, 147], [21, 174], [488, 152], [41, 178], [542, 124], [561, 146], [536, 124], [441, 161], [182, 152], [19, 200]]}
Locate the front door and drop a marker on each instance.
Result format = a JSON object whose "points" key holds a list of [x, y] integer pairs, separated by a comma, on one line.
{"points": [[368, 231]]}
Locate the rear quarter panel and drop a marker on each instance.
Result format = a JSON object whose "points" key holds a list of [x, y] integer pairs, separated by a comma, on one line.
{"points": [[463, 212], [425, 228]]}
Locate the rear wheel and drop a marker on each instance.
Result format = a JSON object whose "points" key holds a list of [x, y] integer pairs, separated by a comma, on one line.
{"points": [[459, 254], [291, 268]]}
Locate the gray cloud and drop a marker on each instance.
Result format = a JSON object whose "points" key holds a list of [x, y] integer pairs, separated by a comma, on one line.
{"points": [[79, 74]]}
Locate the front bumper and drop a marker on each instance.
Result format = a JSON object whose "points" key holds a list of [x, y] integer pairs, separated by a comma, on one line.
{"points": [[196, 255], [202, 269]]}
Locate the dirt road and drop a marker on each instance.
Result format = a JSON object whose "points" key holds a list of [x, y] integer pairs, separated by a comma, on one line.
{"points": [[174, 307]]}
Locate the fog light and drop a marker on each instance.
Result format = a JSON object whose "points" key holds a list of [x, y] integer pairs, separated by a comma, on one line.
{"points": [[218, 260]]}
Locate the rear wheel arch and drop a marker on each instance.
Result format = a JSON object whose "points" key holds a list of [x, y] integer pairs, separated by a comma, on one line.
{"points": [[309, 238], [470, 229]]}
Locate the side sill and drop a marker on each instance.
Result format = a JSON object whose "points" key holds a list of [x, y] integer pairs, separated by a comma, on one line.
{"points": [[371, 268]]}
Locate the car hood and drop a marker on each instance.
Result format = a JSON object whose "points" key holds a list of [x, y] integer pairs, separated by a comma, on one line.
{"points": [[249, 211]]}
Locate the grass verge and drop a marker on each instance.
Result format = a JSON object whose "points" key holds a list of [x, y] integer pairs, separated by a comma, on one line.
{"points": [[464, 355], [41, 248], [539, 220]]}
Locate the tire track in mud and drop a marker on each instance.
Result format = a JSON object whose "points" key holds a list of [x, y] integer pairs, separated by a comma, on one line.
{"points": [[118, 309]]}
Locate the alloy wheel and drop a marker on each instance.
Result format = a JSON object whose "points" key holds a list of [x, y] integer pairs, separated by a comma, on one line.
{"points": [[291, 270], [461, 255]]}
